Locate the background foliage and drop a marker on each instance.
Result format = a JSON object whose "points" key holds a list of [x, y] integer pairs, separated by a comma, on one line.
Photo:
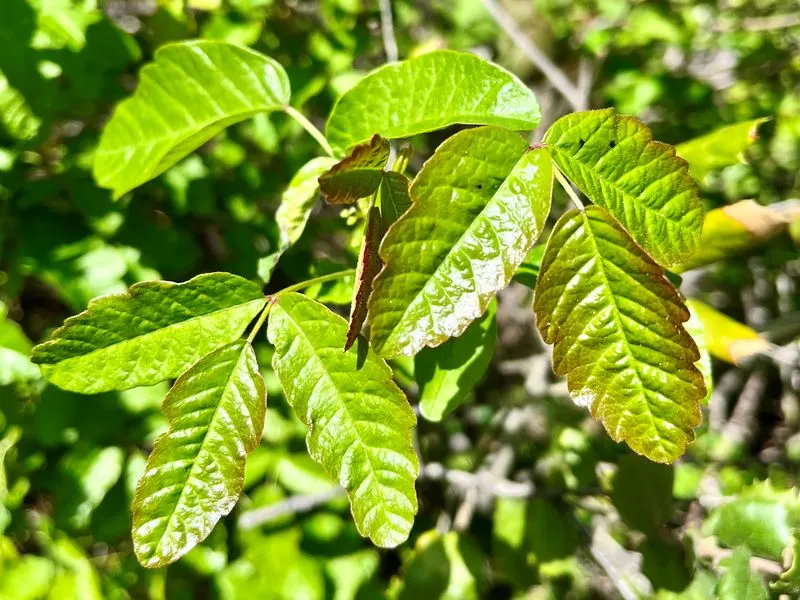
{"points": [[521, 493]]}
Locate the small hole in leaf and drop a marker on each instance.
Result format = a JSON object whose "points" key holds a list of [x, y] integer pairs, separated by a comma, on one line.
{"points": [[479, 186], [612, 143], [581, 143]]}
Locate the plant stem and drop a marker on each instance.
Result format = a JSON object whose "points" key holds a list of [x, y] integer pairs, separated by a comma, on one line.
{"points": [[314, 281], [261, 318], [401, 161], [309, 127], [567, 187]]}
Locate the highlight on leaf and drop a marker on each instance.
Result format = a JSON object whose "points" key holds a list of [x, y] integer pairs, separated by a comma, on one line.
{"points": [[357, 175], [151, 333], [479, 205], [616, 163], [195, 473], [616, 323], [359, 420]]}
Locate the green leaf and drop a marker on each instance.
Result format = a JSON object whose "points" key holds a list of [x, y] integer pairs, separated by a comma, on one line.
{"points": [[369, 265], [615, 162], [393, 197], [761, 518], [357, 175], [642, 493], [528, 272], [298, 200], [720, 148], [190, 93], [359, 421], [740, 582], [152, 333], [696, 329], [726, 338], [195, 473], [480, 203], [617, 326], [789, 581], [86, 475], [429, 92], [447, 373]]}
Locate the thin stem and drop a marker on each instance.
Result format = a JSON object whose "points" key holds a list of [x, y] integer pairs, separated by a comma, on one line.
{"points": [[261, 318], [314, 281], [401, 161], [568, 188], [387, 30], [309, 127]]}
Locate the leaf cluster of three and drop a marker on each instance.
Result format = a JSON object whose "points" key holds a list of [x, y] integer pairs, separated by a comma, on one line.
{"points": [[433, 257]]}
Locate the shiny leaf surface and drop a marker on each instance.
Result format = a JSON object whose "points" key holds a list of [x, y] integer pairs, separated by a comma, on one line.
{"points": [[192, 91], [615, 162], [479, 204], [153, 332], [359, 421], [430, 92], [617, 326], [194, 475]]}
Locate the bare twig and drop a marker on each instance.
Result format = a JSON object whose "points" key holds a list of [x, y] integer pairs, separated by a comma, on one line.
{"points": [[768, 23], [296, 504], [556, 76], [387, 31]]}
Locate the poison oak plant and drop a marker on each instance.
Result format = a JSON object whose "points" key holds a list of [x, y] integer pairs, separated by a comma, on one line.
{"points": [[435, 251]]}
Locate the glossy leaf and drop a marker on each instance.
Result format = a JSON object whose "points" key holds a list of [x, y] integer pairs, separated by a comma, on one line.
{"points": [[192, 91], [726, 338], [448, 373], [151, 333], [617, 326], [358, 175], [359, 421], [298, 200], [479, 204], [194, 475], [429, 92], [369, 265], [735, 229], [720, 148], [739, 581], [615, 162]]}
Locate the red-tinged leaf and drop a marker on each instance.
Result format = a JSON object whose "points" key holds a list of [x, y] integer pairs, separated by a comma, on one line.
{"points": [[358, 175], [369, 265]]}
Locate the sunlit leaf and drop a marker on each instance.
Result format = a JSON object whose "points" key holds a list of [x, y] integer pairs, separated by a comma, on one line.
{"points": [[789, 581], [694, 326], [194, 475], [358, 175], [448, 373], [727, 338], [190, 93], [152, 333], [617, 326], [479, 205], [739, 581], [430, 92], [298, 200], [359, 420], [615, 162], [720, 148]]}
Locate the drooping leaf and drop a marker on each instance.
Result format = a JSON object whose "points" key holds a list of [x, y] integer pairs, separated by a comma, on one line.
{"points": [[297, 201], [357, 175], [194, 475], [359, 421], [190, 93], [735, 229], [392, 201], [617, 326], [720, 148], [479, 204], [153, 332], [726, 338], [447, 373], [616, 163], [430, 92], [739, 581]]}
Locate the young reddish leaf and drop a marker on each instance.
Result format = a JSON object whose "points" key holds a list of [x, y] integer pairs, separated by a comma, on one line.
{"points": [[369, 265], [358, 175]]}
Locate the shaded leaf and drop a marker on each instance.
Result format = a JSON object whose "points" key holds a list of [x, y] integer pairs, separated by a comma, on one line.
{"points": [[735, 229], [448, 373], [430, 92], [369, 265], [617, 326], [720, 148], [195, 473], [152, 333], [393, 197], [726, 338], [86, 474], [642, 493], [359, 421], [528, 272], [192, 91], [615, 162], [357, 175], [298, 200], [739, 581], [479, 204]]}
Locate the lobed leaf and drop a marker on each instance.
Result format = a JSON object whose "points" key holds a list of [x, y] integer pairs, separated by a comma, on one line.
{"points": [[192, 91], [358, 175], [447, 373], [153, 332], [720, 148], [359, 421], [615, 162], [429, 92], [617, 326], [195, 473], [479, 205]]}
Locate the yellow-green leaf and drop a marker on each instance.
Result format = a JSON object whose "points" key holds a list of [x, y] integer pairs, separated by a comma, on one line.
{"points": [[720, 148]]}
